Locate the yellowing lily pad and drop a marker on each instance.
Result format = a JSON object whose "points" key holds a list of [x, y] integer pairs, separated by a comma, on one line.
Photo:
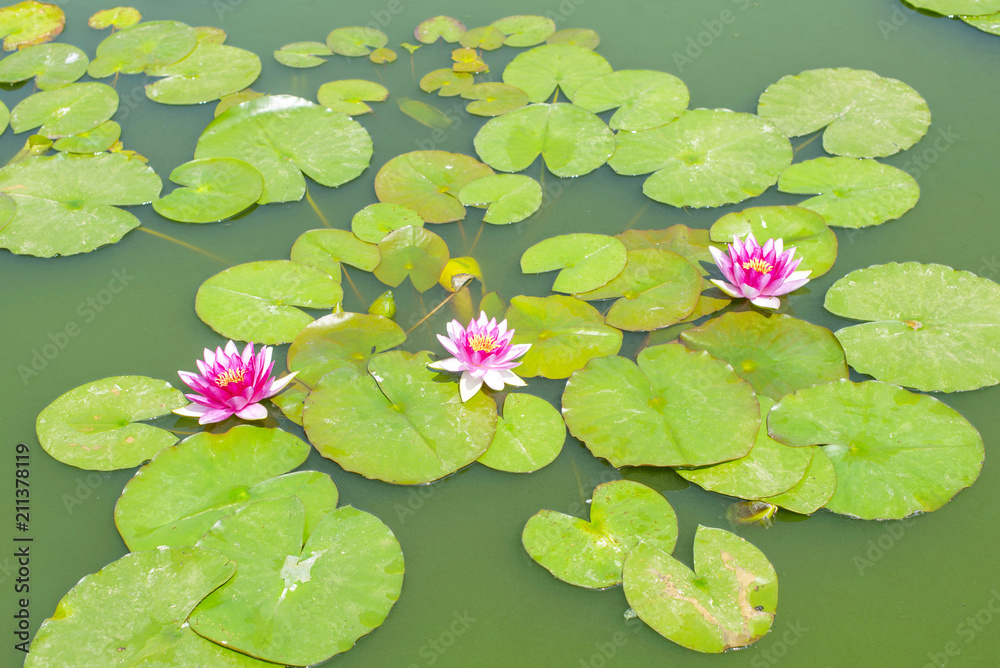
{"points": [[144, 45], [586, 261], [355, 41], [98, 140], [325, 249], [645, 99], [414, 252], [525, 30], [446, 82], [303, 54], [65, 111], [431, 30], [487, 38], [116, 18], [529, 435], [429, 182], [28, 23], [585, 37], [468, 60], [213, 189], [375, 221], [53, 65], [350, 95], [508, 198], [539, 71], [382, 55], [208, 73], [494, 99], [339, 339]]}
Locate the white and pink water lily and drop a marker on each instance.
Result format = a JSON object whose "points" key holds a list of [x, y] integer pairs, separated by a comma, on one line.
{"points": [[483, 353], [231, 383], [759, 273]]}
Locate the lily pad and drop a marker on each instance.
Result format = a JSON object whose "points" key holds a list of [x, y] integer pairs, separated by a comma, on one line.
{"points": [[571, 140], [564, 333], [623, 514], [692, 243], [210, 35], [932, 327], [429, 182], [302, 54], [865, 115], [97, 425], [208, 73], [430, 30], [896, 453], [414, 252], [398, 422], [539, 71], [213, 189], [468, 60], [728, 601], [525, 30], [446, 82], [339, 339], [355, 41], [234, 99], [645, 99], [494, 99], [508, 198], [707, 157], [5, 119], [487, 38], [65, 111], [382, 55], [284, 137], [814, 490], [584, 37], [52, 65], [98, 140], [325, 249], [954, 7], [144, 45], [586, 261], [116, 18], [852, 193], [424, 113], [256, 301], [375, 221], [529, 435], [298, 600], [987, 22], [676, 408], [350, 95], [29, 23]]}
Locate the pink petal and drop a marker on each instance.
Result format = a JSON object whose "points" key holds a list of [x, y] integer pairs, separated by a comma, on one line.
{"points": [[730, 290], [281, 383], [451, 365], [191, 410], [215, 415], [766, 302], [252, 412]]}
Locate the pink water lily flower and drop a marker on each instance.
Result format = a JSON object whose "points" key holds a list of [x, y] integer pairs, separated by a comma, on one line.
{"points": [[230, 383], [483, 354], [761, 274]]}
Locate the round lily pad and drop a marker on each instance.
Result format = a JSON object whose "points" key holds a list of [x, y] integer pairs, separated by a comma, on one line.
{"points": [[398, 422], [339, 339], [355, 41], [865, 115], [586, 261], [208, 73], [53, 65], [623, 514], [302, 54], [431, 30], [256, 301], [529, 435], [97, 425], [954, 7], [814, 490], [28, 23], [852, 192], [707, 157], [494, 99], [147, 44], [728, 601], [98, 140], [350, 95], [115, 18], [932, 327], [446, 82], [896, 453], [375, 221], [65, 111], [539, 71], [487, 38], [508, 198], [525, 30], [325, 249], [645, 99], [382, 55], [213, 189], [675, 408], [414, 252], [429, 182], [584, 37]]}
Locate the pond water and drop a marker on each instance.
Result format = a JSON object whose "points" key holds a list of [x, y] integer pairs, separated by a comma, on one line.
{"points": [[923, 591]]}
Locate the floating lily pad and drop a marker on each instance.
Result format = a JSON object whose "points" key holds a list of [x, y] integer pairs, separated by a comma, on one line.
{"points": [[382, 55], [339, 339], [355, 41], [509, 198], [385, 305], [529, 435], [446, 82], [29, 23], [933, 328], [692, 243], [325, 249], [564, 333], [645, 99], [294, 600], [896, 453], [234, 99], [539, 71], [285, 137], [210, 35], [865, 115], [814, 490], [430, 30], [488, 38], [5, 118], [494, 99], [623, 514], [429, 182], [728, 601], [97, 425], [213, 189], [458, 273], [68, 203], [65, 111], [987, 22], [350, 95], [584, 37], [954, 7], [256, 301], [292, 401], [207, 73], [375, 221], [147, 44], [302, 54], [414, 252], [468, 60], [571, 140], [52, 65], [586, 261], [852, 193], [116, 18], [707, 157], [398, 422], [98, 140], [525, 30]]}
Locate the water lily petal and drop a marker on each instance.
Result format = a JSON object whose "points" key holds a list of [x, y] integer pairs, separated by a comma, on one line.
{"points": [[468, 386], [252, 412]]}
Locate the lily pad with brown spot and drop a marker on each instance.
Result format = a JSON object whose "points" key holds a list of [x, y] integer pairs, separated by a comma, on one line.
{"points": [[28, 23]]}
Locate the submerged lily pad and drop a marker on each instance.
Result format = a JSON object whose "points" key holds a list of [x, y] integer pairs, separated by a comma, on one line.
{"points": [[208, 73], [355, 41], [728, 601], [144, 45], [586, 261], [302, 54], [97, 425], [52, 65], [98, 140], [375, 221], [214, 189], [430, 30], [539, 71], [424, 113], [645, 99], [256, 301], [623, 514], [339, 339], [896, 453], [28, 23], [325, 249], [814, 490], [350, 95], [508, 198], [414, 252], [494, 99], [932, 327], [529, 435], [865, 115], [954, 7], [525, 30], [852, 193], [118, 17], [429, 182], [65, 111]]}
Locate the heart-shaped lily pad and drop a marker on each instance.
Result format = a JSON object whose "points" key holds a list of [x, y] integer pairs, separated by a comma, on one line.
{"points": [[447, 82], [645, 99], [375, 221], [65, 111], [492, 99], [814, 490], [325, 249], [53, 65], [508, 198], [539, 71], [208, 73], [143, 45], [214, 189], [484, 38], [98, 140], [350, 95], [431, 30], [525, 30], [356, 41], [96, 426], [339, 339], [529, 435], [586, 261], [414, 252], [590, 554], [429, 182], [28, 23], [302, 54], [116, 18]]}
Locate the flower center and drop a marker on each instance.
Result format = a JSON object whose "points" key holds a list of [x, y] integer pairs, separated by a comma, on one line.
{"points": [[230, 376], [482, 343], [758, 265]]}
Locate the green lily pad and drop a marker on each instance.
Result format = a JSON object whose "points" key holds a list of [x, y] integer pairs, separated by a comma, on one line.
{"points": [[5, 118], [707, 157], [339, 339], [584, 37], [256, 301], [116, 18], [302, 54], [29, 23], [325, 249], [285, 137], [564, 333], [52, 65], [814, 490], [398, 422], [446, 82], [430, 30], [355, 41], [207, 73], [865, 115], [529, 435], [429, 182], [382, 55], [424, 113], [954, 7], [896, 453], [539, 71], [98, 140], [494, 99], [657, 288], [208, 35], [508, 198], [623, 514], [586, 261], [487, 38], [300, 601], [144, 45], [728, 601], [350, 95], [213, 189], [68, 203], [776, 354], [932, 327], [292, 401], [414, 252], [65, 111], [987, 22], [97, 425], [571, 140], [692, 243], [375, 221], [852, 193], [525, 30], [234, 99], [645, 99]]}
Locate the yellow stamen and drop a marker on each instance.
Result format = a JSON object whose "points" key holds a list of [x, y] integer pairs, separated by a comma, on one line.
{"points": [[230, 376], [482, 343], [758, 265]]}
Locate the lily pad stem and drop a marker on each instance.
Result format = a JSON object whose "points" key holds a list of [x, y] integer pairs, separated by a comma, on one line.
{"points": [[183, 243]]}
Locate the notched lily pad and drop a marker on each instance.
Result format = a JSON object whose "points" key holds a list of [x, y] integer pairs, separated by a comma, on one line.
{"points": [[325, 249], [539, 71], [814, 490], [487, 38], [508, 198], [116, 18], [143, 45], [586, 261], [529, 435], [53, 65], [355, 41], [208, 73], [431, 30], [645, 99], [350, 95], [446, 82], [65, 111], [28, 23], [375, 221], [213, 189], [340, 339], [429, 182], [414, 252], [494, 99], [525, 30], [303, 54]]}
